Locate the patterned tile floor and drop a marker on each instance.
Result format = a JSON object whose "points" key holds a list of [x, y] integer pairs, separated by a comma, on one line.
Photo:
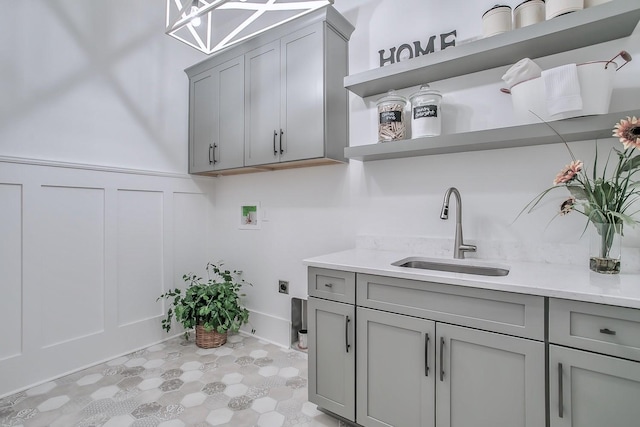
{"points": [[246, 382]]}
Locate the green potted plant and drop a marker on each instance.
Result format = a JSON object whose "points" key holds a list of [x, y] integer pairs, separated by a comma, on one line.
{"points": [[212, 307]]}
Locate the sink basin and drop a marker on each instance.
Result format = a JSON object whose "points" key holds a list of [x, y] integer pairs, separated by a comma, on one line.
{"points": [[453, 266]]}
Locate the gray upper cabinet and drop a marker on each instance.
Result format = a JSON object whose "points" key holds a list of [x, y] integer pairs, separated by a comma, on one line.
{"points": [[285, 106], [216, 120]]}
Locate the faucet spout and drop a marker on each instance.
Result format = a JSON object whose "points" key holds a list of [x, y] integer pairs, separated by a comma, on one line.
{"points": [[459, 247]]}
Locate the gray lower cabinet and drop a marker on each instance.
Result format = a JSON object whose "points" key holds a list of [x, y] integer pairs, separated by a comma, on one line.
{"points": [[416, 372], [485, 379], [216, 120], [594, 365], [396, 370], [592, 390], [332, 359], [426, 354]]}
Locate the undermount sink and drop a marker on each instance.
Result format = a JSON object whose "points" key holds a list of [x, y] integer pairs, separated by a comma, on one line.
{"points": [[453, 266]]}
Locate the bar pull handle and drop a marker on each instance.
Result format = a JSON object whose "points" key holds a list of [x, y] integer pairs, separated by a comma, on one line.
{"points": [[281, 133], [212, 155], [426, 355], [275, 134], [560, 392], [329, 285], [346, 333], [441, 358], [607, 331]]}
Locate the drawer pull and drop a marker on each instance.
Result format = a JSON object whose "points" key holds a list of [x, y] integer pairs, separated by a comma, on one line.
{"points": [[607, 331], [329, 285]]}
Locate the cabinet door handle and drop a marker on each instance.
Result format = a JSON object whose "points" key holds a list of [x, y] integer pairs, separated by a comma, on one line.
{"points": [[281, 133], [560, 392], [346, 333], [212, 155], [329, 285], [607, 331], [441, 358], [275, 134], [426, 355]]}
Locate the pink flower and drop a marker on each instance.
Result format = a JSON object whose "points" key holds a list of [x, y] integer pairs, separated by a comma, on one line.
{"points": [[568, 173], [628, 131], [567, 206]]}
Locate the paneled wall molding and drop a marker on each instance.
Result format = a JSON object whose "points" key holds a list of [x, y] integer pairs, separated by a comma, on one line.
{"points": [[91, 167], [85, 253]]}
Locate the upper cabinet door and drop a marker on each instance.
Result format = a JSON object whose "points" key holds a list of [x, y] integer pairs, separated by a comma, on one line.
{"points": [[201, 127], [217, 118], [262, 100], [228, 120], [302, 97]]}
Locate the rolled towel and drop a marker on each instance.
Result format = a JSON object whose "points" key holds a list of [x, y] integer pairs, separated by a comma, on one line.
{"points": [[562, 89], [525, 69]]}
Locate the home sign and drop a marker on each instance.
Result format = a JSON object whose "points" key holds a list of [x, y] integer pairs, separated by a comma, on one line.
{"points": [[407, 51]]}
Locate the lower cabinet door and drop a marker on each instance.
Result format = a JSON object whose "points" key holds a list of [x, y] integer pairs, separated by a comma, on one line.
{"points": [[592, 390], [395, 370], [332, 349], [486, 379]]}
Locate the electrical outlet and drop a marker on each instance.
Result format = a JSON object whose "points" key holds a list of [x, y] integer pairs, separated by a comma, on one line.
{"points": [[283, 286]]}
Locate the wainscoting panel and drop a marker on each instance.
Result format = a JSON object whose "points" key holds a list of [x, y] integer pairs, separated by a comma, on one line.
{"points": [[85, 252], [10, 270], [71, 239], [190, 216], [140, 262]]}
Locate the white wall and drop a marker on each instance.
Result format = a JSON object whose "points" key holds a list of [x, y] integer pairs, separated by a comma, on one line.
{"points": [[97, 213], [90, 87], [319, 210]]}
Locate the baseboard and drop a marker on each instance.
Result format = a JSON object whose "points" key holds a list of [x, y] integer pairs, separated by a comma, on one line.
{"points": [[272, 329]]}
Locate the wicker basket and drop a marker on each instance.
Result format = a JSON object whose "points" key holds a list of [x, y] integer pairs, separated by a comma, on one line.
{"points": [[210, 339]]}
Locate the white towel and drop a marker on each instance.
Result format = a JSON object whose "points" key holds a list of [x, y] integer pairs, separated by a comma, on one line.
{"points": [[525, 69], [562, 89]]}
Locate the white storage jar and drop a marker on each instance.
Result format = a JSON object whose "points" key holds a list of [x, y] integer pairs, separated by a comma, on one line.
{"points": [[426, 117]]}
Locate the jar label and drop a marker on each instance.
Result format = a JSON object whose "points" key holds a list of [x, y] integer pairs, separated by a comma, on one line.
{"points": [[425, 111], [390, 116]]}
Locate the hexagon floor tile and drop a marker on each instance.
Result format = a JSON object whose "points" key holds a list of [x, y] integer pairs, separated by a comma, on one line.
{"points": [[247, 382]]}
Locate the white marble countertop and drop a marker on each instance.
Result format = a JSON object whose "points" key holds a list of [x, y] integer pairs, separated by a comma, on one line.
{"points": [[548, 280]]}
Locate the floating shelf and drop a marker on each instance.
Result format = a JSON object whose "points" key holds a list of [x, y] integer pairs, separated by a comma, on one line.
{"points": [[599, 24], [577, 129]]}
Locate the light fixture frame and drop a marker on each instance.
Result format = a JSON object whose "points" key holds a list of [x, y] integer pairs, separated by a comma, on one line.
{"points": [[184, 17]]}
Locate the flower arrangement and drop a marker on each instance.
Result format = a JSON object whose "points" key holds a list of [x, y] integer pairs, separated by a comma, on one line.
{"points": [[607, 202]]}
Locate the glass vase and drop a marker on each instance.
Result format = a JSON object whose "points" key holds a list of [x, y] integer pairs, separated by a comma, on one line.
{"points": [[605, 240]]}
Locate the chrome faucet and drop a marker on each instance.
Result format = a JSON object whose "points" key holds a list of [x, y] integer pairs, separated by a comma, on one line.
{"points": [[459, 247]]}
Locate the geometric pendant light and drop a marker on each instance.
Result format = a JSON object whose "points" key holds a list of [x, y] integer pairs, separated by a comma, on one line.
{"points": [[212, 25]]}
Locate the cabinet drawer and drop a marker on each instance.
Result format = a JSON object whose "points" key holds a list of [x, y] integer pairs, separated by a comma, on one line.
{"points": [[333, 285], [508, 313], [601, 328]]}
